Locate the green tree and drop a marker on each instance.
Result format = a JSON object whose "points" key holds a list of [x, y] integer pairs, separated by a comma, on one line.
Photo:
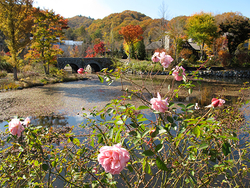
{"points": [[46, 31], [202, 29], [16, 22], [237, 30], [141, 52]]}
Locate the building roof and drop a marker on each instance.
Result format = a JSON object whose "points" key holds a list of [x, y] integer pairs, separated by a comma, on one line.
{"points": [[154, 45], [195, 46]]}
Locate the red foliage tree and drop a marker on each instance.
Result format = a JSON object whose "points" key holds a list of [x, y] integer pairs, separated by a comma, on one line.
{"points": [[99, 48]]}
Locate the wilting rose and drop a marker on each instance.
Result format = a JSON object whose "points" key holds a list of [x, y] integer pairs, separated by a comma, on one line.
{"points": [[178, 73], [165, 59], [113, 158], [158, 104], [80, 71], [155, 57], [26, 122], [15, 127]]}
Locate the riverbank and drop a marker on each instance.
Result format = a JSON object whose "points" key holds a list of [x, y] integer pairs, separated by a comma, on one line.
{"points": [[59, 98]]}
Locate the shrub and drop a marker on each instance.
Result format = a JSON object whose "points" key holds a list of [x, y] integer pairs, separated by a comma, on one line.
{"points": [[3, 74]]}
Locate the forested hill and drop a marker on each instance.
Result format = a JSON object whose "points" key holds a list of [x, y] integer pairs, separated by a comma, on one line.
{"points": [[114, 22], [78, 21]]}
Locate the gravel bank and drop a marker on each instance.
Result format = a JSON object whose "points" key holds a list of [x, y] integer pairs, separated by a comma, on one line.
{"points": [[62, 98]]}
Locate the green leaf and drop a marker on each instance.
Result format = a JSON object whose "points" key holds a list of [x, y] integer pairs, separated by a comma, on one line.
{"points": [[76, 141], [148, 153], [160, 164], [197, 131], [111, 131], [45, 167], [203, 146], [118, 136], [226, 148], [140, 116], [100, 78], [171, 104], [170, 119], [143, 119], [159, 147], [142, 107], [190, 105], [130, 168], [120, 122], [181, 105], [53, 163]]}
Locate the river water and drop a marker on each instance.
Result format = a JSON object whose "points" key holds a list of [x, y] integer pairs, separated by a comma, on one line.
{"points": [[61, 104]]}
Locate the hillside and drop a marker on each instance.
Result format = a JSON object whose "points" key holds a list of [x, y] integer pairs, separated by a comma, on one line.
{"points": [[78, 21], [114, 22]]}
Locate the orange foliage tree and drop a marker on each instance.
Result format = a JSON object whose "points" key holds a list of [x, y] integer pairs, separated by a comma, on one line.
{"points": [[46, 32], [131, 35]]}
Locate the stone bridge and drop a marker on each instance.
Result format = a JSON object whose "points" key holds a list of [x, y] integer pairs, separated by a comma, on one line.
{"points": [[89, 64]]}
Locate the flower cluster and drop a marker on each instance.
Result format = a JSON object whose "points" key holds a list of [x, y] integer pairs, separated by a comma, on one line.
{"points": [[158, 104], [113, 158], [179, 73], [16, 127], [164, 59]]}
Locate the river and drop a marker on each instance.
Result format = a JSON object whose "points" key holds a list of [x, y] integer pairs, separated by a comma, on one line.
{"points": [[65, 100]]}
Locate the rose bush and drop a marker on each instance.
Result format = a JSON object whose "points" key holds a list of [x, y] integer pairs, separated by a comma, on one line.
{"points": [[180, 145]]}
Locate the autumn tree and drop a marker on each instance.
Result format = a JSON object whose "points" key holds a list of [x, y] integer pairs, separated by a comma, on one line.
{"points": [[176, 32], [99, 48], [202, 29], [237, 30], [131, 35], [16, 22], [46, 31]]}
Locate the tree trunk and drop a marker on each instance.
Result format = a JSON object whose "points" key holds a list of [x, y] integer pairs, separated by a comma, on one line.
{"points": [[15, 73], [129, 52]]}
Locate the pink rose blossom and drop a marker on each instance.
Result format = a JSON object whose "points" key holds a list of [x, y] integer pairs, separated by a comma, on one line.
{"points": [[113, 158], [179, 73], [216, 102], [80, 71], [158, 104], [15, 127], [165, 59], [155, 57]]}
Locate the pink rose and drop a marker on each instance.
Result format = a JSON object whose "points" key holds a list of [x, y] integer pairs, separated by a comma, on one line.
{"points": [[178, 73], [165, 59], [15, 127], [27, 121], [113, 158], [80, 71], [216, 102], [158, 104], [156, 57]]}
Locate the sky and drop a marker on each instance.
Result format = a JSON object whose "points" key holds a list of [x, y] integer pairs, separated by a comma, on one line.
{"points": [[98, 9]]}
